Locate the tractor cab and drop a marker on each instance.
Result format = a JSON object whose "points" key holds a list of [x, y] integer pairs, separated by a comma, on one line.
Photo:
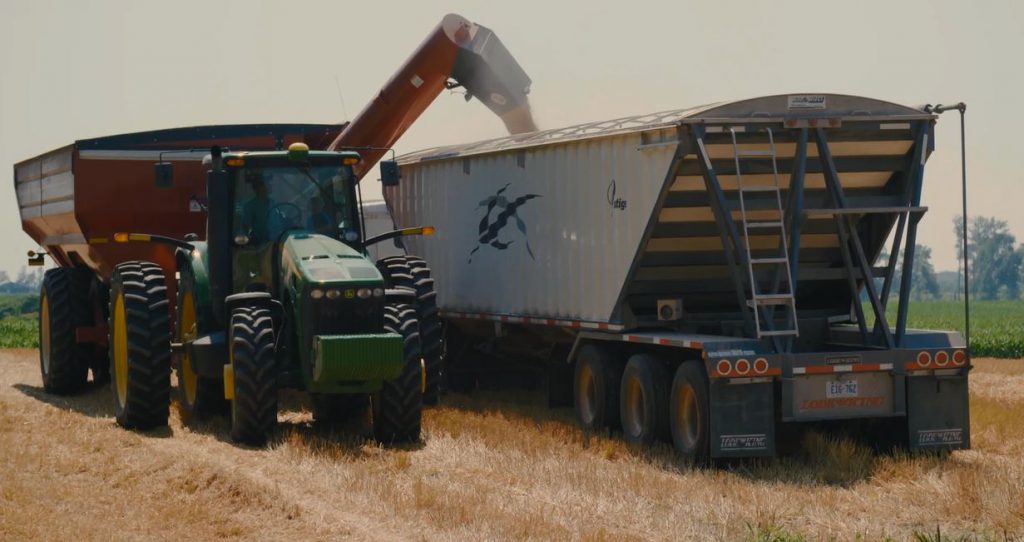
{"points": [[274, 192]]}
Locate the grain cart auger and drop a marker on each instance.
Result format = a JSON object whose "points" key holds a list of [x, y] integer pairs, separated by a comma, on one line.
{"points": [[457, 53], [280, 295]]}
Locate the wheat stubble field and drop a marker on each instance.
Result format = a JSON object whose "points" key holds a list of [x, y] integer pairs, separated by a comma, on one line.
{"points": [[488, 469]]}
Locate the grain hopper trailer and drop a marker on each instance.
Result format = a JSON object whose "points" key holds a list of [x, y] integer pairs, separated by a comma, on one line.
{"points": [[246, 262], [698, 274]]}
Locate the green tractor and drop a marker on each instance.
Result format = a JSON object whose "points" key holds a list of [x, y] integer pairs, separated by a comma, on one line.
{"points": [[280, 295]]}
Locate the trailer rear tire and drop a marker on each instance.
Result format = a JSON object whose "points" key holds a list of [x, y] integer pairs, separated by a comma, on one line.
{"points": [[644, 399], [251, 349], [688, 412], [596, 387], [62, 362], [140, 349], [398, 406]]}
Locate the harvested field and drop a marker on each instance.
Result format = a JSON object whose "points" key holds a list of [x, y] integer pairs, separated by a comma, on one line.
{"points": [[489, 468]]}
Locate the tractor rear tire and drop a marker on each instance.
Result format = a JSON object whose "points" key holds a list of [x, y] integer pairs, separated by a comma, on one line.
{"points": [[688, 413], [251, 348], [198, 396], [596, 387], [140, 349], [62, 362], [413, 273], [398, 406], [643, 400]]}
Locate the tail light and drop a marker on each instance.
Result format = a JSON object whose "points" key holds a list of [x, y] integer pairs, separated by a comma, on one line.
{"points": [[724, 367], [924, 359], [941, 358], [760, 366], [742, 366], [959, 358]]}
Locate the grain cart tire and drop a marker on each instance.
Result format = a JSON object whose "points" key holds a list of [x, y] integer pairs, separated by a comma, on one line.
{"points": [[398, 406], [643, 400], [61, 363], [254, 372], [140, 349], [596, 387], [688, 413], [198, 396], [332, 408]]}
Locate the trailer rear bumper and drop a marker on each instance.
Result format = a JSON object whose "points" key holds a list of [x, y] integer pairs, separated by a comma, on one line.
{"points": [[925, 387]]}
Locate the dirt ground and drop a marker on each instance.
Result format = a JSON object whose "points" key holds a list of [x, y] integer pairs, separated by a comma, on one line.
{"points": [[489, 468]]}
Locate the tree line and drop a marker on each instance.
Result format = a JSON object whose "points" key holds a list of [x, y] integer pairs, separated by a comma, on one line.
{"points": [[995, 261]]}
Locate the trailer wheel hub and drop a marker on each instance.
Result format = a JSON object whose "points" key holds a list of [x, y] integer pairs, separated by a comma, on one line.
{"points": [[634, 420], [688, 417]]}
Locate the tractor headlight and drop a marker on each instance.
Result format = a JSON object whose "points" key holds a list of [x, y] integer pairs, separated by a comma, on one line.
{"points": [[378, 292], [316, 293], [364, 293], [333, 293]]}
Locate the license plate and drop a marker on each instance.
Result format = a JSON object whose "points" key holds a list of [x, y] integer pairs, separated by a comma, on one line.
{"points": [[838, 389]]}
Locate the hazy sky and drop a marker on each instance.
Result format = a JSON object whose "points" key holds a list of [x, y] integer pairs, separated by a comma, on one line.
{"points": [[80, 69]]}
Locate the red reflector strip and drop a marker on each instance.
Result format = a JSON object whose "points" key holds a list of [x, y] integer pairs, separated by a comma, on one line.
{"points": [[854, 368], [573, 324]]}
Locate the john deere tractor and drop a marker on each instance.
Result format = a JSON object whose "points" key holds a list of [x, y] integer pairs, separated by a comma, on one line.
{"points": [[280, 295]]}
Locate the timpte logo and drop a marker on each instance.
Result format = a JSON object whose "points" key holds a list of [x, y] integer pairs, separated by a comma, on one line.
{"points": [[940, 437], [490, 228], [743, 442]]}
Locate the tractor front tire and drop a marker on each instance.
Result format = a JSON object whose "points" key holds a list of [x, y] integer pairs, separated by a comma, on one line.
{"points": [[61, 362], [140, 350], [398, 406], [413, 273], [251, 346]]}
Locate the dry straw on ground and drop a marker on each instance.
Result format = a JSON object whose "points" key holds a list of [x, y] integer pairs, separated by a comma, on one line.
{"points": [[495, 467]]}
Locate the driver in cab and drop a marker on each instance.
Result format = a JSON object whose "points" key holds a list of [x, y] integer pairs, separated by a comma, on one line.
{"points": [[256, 211]]}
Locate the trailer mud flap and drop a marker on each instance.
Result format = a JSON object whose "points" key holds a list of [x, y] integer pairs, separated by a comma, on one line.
{"points": [[742, 419], [937, 412]]}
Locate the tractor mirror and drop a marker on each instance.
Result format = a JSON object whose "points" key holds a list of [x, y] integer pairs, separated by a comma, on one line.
{"points": [[164, 174], [389, 174]]}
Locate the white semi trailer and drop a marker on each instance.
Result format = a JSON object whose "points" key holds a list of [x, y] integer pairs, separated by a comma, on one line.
{"points": [[698, 274]]}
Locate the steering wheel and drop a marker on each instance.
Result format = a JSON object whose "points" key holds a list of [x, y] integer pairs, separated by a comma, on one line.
{"points": [[289, 213]]}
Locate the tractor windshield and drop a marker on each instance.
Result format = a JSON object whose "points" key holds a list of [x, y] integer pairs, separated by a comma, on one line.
{"points": [[271, 200]]}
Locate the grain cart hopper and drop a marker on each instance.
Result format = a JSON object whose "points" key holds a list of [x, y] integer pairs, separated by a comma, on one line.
{"points": [[280, 293], [700, 270]]}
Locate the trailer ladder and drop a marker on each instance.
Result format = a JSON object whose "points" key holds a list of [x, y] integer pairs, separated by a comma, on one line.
{"points": [[781, 292]]}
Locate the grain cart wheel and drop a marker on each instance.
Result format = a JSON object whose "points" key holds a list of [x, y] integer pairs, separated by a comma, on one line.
{"points": [[197, 395], [63, 369], [254, 371], [140, 349], [688, 411], [398, 406], [643, 399], [331, 408], [596, 387]]}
